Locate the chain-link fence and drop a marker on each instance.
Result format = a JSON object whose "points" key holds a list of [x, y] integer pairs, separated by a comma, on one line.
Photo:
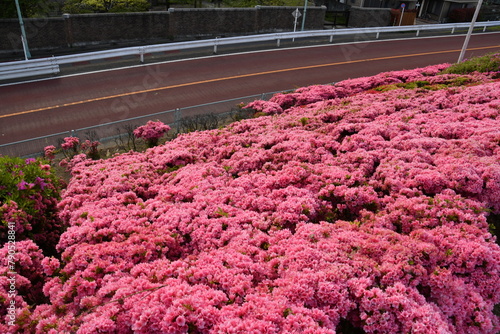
{"points": [[119, 133]]}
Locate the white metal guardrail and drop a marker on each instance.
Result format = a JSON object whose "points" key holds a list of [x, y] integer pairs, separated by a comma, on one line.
{"points": [[26, 68]]}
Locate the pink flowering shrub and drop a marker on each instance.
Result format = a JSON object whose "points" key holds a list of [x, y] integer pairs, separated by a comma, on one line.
{"points": [[29, 230], [151, 132], [71, 144], [361, 206], [31, 271], [50, 152], [89, 148], [71, 147], [29, 193]]}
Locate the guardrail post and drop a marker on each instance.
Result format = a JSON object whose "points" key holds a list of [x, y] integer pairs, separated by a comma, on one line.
{"points": [[278, 40], [378, 34], [215, 44], [418, 32], [55, 64], [452, 30], [141, 53]]}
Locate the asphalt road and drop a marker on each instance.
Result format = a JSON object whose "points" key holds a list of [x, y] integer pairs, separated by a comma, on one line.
{"points": [[34, 109]]}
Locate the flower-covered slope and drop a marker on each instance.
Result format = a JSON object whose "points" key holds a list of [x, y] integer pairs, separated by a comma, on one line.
{"points": [[362, 205]]}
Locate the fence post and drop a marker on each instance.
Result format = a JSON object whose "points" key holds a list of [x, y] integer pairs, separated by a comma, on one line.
{"points": [[177, 115]]}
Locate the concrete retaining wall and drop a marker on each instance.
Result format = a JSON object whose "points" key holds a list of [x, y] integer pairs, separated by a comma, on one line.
{"points": [[123, 29]]}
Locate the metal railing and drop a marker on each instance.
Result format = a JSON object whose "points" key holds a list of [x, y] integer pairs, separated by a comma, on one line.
{"points": [[7, 69], [22, 69], [112, 134]]}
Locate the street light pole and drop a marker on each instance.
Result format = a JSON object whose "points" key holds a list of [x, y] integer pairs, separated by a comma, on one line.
{"points": [[469, 33], [304, 17], [27, 53]]}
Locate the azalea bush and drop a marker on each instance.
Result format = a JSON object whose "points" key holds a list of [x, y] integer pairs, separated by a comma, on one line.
{"points": [[356, 207], [359, 207], [71, 144], [50, 152], [151, 132], [29, 230], [22, 287], [29, 193], [72, 148]]}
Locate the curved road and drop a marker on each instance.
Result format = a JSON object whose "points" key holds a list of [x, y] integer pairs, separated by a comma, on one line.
{"points": [[33, 109]]}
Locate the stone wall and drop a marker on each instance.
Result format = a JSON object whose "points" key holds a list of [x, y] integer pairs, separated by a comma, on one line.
{"points": [[127, 29], [369, 17], [98, 28], [211, 21], [39, 32], [271, 19]]}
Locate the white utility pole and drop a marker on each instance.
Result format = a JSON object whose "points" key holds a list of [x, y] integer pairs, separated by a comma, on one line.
{"points": [[24, 40], [304, 17], [469, 33]]}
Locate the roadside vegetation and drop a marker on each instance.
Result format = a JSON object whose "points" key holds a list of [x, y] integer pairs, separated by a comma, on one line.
{"points": [[485, 64], [44, 8]]}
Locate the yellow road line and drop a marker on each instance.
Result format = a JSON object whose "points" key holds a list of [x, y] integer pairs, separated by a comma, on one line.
{"points": [[237, 77]]}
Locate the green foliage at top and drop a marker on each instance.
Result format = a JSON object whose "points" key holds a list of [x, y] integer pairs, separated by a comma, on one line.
{"points": [[423, 84], [105, 6], [29, 8], [253, 3], [487, 63]]}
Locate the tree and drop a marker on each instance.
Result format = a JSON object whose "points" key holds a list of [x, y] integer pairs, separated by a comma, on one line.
{"points": [[29, 8], [105, 6], [253, 3]]}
